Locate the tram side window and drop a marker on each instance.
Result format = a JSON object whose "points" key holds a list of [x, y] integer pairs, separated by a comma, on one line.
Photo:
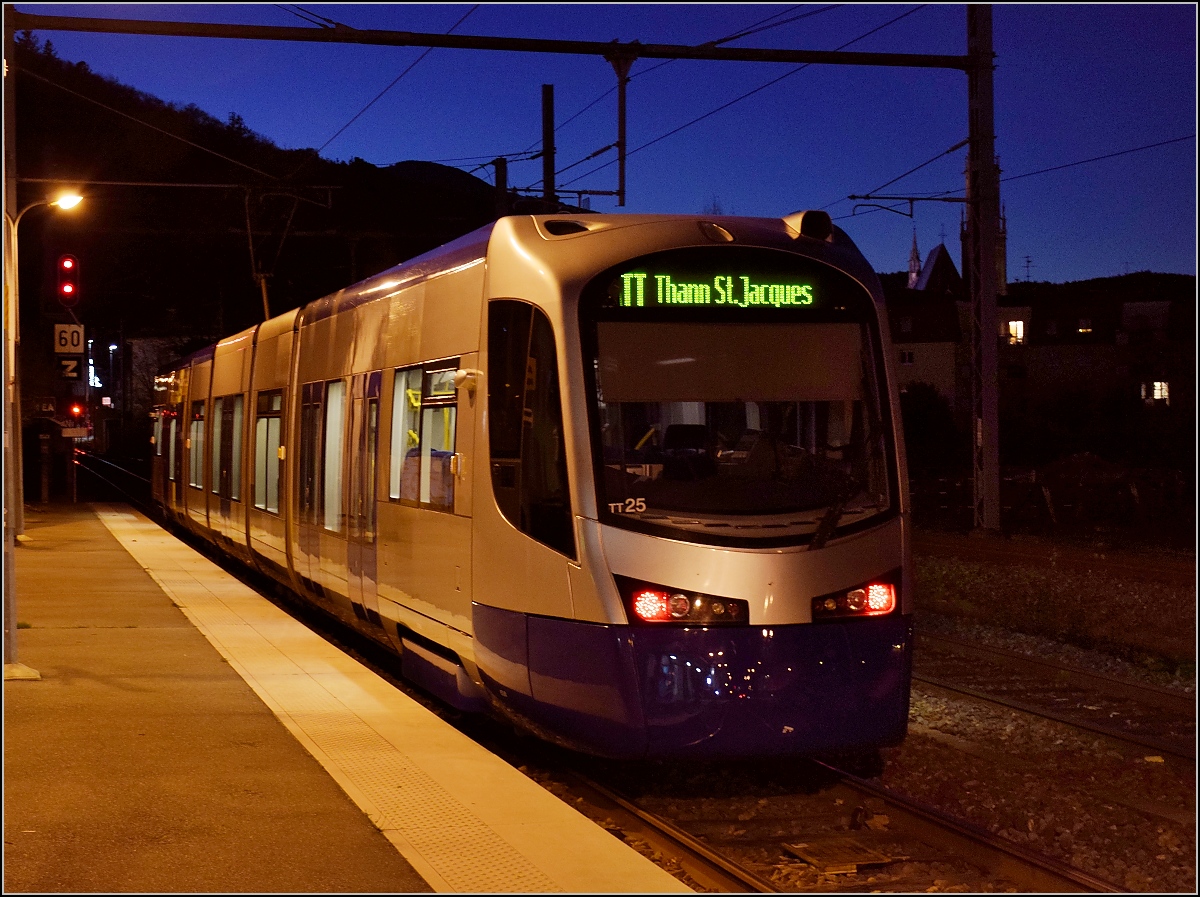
{"points": [[439, 411], [526, 442], [171, 437], [267, 440], [196, 446], [406, 435], [371, 449], [218, 443], [227, 447], [424, 419], [233, 451], [312, 402], [335, 424], [158, 431]]}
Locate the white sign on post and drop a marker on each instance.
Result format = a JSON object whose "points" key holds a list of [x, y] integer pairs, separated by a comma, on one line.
{"points": [[68, 339]]}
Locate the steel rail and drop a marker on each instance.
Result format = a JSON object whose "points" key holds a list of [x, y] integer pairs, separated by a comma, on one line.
{"points": [[701, 862], [1163, 746], [1163, 698], [1128, 690], [125, 470], [1037, 872], [140, 502]]}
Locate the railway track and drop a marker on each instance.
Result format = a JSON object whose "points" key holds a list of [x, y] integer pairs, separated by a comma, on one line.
{"points": [[825, 830], [1151, 717], [845, 835], [132, 487]]}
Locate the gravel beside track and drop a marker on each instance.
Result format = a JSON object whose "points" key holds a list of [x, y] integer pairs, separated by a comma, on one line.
{"points": [[1125, 815]]}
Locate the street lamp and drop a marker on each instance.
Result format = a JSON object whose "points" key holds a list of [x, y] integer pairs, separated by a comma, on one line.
{"points": [[14, 516], [112, 378], [12, 319]]}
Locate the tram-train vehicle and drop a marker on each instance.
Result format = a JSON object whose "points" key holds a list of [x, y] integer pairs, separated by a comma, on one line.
{"points": [[634, 482]]}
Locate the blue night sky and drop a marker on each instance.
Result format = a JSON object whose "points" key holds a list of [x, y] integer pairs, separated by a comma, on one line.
{"points": [[1073, 82]]}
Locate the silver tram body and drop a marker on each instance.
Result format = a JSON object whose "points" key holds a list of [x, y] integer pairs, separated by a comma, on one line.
{"points": [[634, 481]]}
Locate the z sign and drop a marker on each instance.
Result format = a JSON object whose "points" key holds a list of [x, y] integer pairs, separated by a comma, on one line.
{"points": [[69, 368]]}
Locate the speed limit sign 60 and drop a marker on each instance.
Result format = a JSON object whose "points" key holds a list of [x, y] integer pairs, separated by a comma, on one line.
{"points": [[68, 339]]}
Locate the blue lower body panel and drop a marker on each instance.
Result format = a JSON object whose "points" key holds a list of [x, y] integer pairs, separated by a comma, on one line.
{"points": [[623, 691]]}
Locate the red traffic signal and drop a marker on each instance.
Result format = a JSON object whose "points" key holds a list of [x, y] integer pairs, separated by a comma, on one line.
{"points": [[68, 280], [76, 410]]}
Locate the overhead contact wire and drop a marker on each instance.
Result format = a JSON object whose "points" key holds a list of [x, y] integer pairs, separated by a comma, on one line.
{"points": [[750, 93], [752, 29]]}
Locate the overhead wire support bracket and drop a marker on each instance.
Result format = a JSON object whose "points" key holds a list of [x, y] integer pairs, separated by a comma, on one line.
{"points": [[908, 199], [621, 58], [21, 21], [883, 208]]}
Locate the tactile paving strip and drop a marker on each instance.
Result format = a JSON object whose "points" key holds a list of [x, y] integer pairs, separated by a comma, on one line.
{"points": [[471, 857]]}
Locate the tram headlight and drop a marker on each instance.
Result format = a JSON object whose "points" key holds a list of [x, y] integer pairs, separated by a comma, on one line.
{"points": [[649, 603], [870, 599]]}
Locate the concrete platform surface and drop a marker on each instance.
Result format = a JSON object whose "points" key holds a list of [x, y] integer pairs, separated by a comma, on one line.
{"points": [[188, 736]]}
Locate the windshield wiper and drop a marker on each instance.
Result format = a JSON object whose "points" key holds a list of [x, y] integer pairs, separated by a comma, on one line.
{"points": [[833, 515]]}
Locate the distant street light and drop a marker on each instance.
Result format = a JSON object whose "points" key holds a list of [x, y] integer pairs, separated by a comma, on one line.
{"points": [[14, 516], [112, 377]]}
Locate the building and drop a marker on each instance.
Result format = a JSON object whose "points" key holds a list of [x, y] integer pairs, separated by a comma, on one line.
{"points": [[1105, 366]]}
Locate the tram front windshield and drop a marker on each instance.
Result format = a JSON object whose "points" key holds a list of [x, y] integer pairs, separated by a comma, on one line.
{"points": [[735, 420]]}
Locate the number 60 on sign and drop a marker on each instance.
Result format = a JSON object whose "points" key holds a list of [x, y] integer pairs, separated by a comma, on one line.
{"points": [[68, 339]]}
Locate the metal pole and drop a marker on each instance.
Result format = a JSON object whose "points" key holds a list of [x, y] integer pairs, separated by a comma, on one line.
{"points": [[548, 144], [501, 186], [621, 63], [983, 211], [13, 381], [262, 281], [11, 663], [13, 499]]}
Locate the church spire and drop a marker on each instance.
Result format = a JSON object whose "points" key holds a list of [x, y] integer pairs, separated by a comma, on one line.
{"points": [[914, 263]]}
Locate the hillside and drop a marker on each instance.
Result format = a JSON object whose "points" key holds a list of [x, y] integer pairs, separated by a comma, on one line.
{"points": [[162, 260]]}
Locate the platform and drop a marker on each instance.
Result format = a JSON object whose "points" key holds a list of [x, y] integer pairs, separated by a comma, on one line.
{"points": [[186, 735]]}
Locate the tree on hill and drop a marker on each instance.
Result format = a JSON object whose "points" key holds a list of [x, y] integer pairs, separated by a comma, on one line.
{"points": [[167, 261]]}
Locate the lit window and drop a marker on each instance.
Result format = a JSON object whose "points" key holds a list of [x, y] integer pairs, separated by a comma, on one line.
{"points": [[1085, 325], [335, 421], [268, 421], [406, 435], [1160, 391], [424, 418], [1016, 333], [196, 446]]}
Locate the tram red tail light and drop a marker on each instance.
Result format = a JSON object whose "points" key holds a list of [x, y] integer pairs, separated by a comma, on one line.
{"points": [[655, 604], [651, 606], [871, 599]]}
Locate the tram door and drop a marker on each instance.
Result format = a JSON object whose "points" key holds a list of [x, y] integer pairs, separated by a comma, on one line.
{"points": [[364, 433]]}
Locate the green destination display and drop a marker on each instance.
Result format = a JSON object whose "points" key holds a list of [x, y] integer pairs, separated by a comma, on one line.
{"points": [[642, 289]]}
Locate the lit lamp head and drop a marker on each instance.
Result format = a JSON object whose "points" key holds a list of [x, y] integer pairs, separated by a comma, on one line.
{"points": [[68, 201]]}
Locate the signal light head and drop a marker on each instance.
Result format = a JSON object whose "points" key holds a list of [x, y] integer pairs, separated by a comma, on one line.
{"points": [[68, 280], [77, 410]]}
